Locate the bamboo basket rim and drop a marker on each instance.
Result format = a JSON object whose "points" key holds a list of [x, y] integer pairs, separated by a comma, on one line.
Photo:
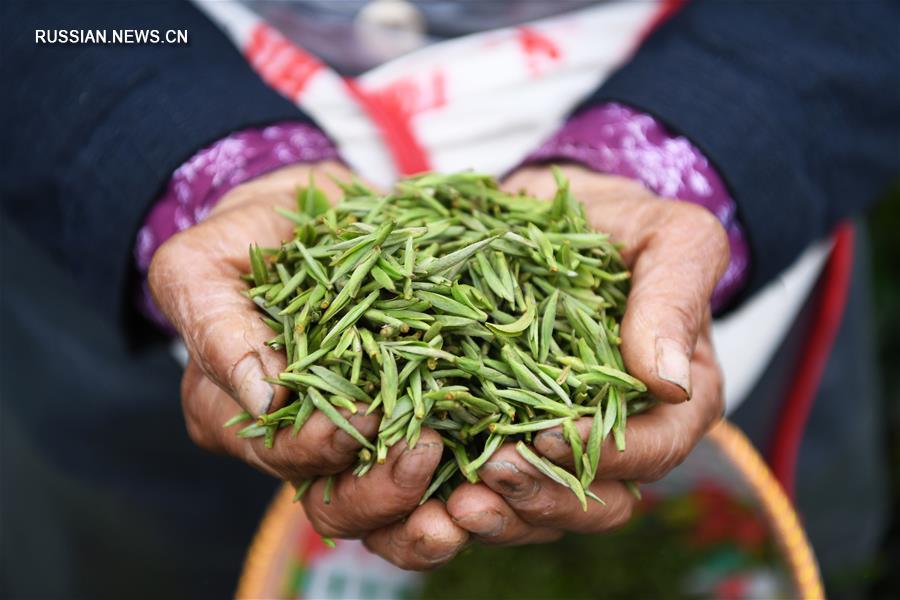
{"points": [[785, 523]]}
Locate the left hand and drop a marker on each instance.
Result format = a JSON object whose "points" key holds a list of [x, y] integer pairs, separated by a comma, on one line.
{"points": [[195, 280], [676, 252]]}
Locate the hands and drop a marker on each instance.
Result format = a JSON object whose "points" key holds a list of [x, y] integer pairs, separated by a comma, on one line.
{"points": [[676, 252]]}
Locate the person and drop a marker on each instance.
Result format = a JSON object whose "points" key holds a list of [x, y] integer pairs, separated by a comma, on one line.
{"points": [[787, 112]]}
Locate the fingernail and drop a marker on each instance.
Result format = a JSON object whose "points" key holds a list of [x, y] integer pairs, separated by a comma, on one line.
{"points": [[673, 365], [552, 444], [247, 379], [342, 442], [552, 436], [413, 468], [513, 483], [486, 523]]}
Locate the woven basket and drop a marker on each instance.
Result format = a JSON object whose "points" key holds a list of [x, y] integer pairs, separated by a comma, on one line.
{"points": [[285, 544]]}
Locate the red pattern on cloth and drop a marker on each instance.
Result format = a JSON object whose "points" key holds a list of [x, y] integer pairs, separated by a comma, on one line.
{"points": [[279, 62]]}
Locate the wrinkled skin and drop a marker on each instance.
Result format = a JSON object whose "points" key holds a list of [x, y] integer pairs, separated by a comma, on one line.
{"points": [[676, 252]]}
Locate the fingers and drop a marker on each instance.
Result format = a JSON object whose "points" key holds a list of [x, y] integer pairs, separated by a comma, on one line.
{"points": [[385, 494], [684, 254], [427, 539], [221, 328], [677, 252], [195, 280], [486, 515], [536, 181], [319, 449], [658, 440], [541, 502]]}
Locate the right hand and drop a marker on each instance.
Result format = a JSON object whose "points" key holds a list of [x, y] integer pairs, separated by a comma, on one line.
{"points": [[195, 280]]}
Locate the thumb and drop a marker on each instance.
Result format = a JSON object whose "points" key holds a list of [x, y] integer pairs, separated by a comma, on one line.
{"points": [[676, 252], [675, 268], [195, 281]]}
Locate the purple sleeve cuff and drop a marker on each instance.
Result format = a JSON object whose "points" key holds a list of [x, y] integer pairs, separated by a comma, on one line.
{"points": [[616, 139], [198, 184]]}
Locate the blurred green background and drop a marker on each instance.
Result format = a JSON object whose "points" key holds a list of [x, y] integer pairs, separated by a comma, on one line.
{"points": [[884, 227]]}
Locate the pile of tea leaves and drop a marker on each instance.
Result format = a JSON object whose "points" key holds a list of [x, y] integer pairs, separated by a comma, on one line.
{"points": [[453, 305]]}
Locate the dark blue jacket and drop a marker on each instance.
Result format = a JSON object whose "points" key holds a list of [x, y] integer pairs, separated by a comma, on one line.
{"points": [[796, 103]]}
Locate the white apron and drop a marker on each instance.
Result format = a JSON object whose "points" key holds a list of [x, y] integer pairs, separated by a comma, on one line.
{"points": [[483, 102]]}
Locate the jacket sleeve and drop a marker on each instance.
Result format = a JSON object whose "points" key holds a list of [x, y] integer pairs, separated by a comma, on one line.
{"points": [[797, 104], [93, 132]]}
